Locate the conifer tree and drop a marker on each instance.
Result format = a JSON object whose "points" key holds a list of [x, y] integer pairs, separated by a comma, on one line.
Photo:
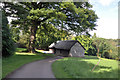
{"points": [[8, 47]]}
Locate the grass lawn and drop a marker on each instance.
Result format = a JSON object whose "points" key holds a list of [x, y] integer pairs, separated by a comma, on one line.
{"points": [[20, 49], [20, 58], [74, 67]]}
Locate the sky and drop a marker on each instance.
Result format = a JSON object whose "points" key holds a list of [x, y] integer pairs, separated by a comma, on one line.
{"points": [[107, 11]]}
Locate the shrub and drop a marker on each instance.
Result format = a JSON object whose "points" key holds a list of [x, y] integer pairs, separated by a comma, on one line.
{"points": [[23, 41], [8, 47], [106, 55]]}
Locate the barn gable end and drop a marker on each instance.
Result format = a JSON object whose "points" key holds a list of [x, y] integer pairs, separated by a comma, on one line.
{"points": [[77, 50]]}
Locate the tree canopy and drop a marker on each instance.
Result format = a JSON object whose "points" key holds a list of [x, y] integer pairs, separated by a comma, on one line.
{"points": [[75, 17]]}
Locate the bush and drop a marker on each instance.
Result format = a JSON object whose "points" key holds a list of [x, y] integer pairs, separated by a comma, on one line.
{"points": [[8, 47], [106, 55], [23, 41], [19, 45]]}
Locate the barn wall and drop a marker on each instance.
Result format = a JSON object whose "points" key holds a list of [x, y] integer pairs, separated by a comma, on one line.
{"points": [[60, 52], [64, 53], [77, 50], [57, 52]]}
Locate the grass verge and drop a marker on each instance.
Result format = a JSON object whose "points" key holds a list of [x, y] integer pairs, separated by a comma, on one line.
{"points": [[74, 67]]}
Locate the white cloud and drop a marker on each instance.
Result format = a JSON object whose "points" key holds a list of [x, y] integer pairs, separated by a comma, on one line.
{"points": [[107, 28], [105, 2]]}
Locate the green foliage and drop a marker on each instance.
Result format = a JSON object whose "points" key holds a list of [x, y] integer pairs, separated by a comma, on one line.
{"points": [[107, 47], [119, 53], [15, 33], [8, 47], [65, 16], [20, 49], [48, 34], [81, 68], [79, 18], [103, 46], [23, 41], [114, 52], [87, 42]]}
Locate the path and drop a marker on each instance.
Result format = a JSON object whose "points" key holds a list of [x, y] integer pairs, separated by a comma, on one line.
{"points": [[37, 69]]}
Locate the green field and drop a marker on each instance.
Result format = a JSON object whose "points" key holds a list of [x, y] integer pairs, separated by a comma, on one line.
{"points": [[20, 58], [74, 67]]}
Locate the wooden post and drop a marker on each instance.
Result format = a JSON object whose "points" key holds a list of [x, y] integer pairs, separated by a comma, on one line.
{"points": [[98, 61], [96, 65]]}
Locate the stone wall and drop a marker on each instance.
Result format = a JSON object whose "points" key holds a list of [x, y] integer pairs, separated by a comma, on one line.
{"points": [[60, 52], [77, 50]]}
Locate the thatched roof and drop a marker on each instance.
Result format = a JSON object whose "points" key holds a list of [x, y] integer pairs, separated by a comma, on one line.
{"points": [[66, 45]]}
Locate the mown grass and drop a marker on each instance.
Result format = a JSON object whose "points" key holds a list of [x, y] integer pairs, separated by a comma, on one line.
{"points": [[20, 49], [74, 67], [20, 58]]}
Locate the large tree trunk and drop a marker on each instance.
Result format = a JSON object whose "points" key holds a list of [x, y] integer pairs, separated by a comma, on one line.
{"points": [[32, 40]]}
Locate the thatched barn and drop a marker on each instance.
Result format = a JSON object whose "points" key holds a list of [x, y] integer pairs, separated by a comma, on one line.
{"points": [[66, 48]]}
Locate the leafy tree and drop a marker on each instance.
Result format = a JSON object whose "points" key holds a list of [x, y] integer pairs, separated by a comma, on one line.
{"points": [[23, 41], [103, 47], [76, 17], [8, 47], [94, 36], [49, 35], [15, 34], [113, 53]]}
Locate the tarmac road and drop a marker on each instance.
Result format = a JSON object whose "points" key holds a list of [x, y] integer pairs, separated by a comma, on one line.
{"points": [[37, 69]]}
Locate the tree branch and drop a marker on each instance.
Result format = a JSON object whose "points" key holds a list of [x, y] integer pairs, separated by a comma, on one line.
{"points": [[43, 20]]}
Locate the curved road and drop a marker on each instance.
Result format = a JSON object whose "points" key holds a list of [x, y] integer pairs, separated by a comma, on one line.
{"points": [[37, 69]]}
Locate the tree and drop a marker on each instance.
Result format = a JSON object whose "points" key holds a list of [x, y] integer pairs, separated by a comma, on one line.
{"points": [[76, 17], [8, 47], [15, 33], [102, 46], [47, 36], [23, 42], [94, 36]]}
